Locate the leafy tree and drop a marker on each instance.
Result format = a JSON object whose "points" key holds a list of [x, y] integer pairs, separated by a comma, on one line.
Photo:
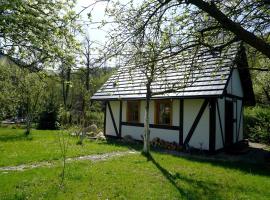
{"points": [[193, 24], [9, 98], [21, 88], [183, 27], [31, 89], [35, 34]]}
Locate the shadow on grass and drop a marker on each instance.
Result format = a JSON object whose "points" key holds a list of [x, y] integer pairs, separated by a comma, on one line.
{"points": [[14, 137], [119, 143], [249, 168], [246, 167], [190, 191]]}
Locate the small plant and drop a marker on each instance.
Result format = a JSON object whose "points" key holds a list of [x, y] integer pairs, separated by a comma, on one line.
{"points": [[63, 144]]}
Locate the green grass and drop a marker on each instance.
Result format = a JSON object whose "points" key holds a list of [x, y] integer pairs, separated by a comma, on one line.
{"points": [[16, 148], [134, 177]]}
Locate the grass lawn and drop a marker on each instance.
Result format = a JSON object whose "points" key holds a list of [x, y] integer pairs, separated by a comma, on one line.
{"points": [[128, 177], [41, 145]]}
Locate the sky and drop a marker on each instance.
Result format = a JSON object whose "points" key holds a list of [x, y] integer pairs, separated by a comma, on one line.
{"points": [[96, 34], [98, 12]]}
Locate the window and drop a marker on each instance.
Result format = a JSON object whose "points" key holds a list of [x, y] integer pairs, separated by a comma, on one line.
{"points": [[163, 112], [133, 111]]}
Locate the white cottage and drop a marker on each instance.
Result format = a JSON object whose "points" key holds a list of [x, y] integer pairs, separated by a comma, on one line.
{"points": [[206, 114]]}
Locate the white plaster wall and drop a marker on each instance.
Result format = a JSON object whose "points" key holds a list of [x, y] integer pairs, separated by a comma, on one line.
{"points": [[115, 105], [234, 86], [191, 109], [164, 134], [201, 133], [134, 131], [221, 104], [168, 135]]}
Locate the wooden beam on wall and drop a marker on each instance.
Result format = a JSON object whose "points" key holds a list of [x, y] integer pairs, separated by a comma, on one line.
{"points": [[120, 119], [181, 122], [196, 121], [104, 123], [220, 125]]}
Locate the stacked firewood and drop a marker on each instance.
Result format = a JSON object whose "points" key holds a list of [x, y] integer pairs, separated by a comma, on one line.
{"points": [[159, 143]]}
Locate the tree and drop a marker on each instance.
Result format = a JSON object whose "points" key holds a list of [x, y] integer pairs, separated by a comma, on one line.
{"points": [[205, 23], [146, 55], [9, 99], [190, 28], [21, 88], [31, 87], [260, 76], [34, 34]]}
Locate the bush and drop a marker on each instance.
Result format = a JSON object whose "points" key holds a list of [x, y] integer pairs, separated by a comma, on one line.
{"points": [[95, 118], [48, 119], [257, 124]]}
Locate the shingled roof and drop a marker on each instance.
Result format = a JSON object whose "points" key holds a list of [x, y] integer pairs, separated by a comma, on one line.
{"points": [[208, 77]]}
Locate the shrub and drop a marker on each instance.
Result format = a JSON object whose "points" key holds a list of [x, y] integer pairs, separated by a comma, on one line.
{"points": [[257, 124], [95, 118], [48, 119]]}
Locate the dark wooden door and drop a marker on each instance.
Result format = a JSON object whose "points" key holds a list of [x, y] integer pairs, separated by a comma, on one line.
{"points": [[228, 123]]}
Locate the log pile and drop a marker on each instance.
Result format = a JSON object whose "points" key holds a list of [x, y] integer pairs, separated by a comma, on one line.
{"points": [[159, 143]]}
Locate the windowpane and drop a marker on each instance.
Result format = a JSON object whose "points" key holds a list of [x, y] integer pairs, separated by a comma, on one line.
{"points": [[163, 112], [133, 109]]}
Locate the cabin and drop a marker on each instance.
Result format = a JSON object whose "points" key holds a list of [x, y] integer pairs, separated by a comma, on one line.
{"points": [[206, 114]]}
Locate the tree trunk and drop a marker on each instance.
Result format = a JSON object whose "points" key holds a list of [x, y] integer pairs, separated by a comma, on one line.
{"points": [[63, 88], [28, 118], [28, 124], [146, 138], [228, 24], [65, 78]]}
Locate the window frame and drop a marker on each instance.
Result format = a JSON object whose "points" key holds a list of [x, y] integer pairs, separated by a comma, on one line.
{"points": [[157, 106], [128, 111]]}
